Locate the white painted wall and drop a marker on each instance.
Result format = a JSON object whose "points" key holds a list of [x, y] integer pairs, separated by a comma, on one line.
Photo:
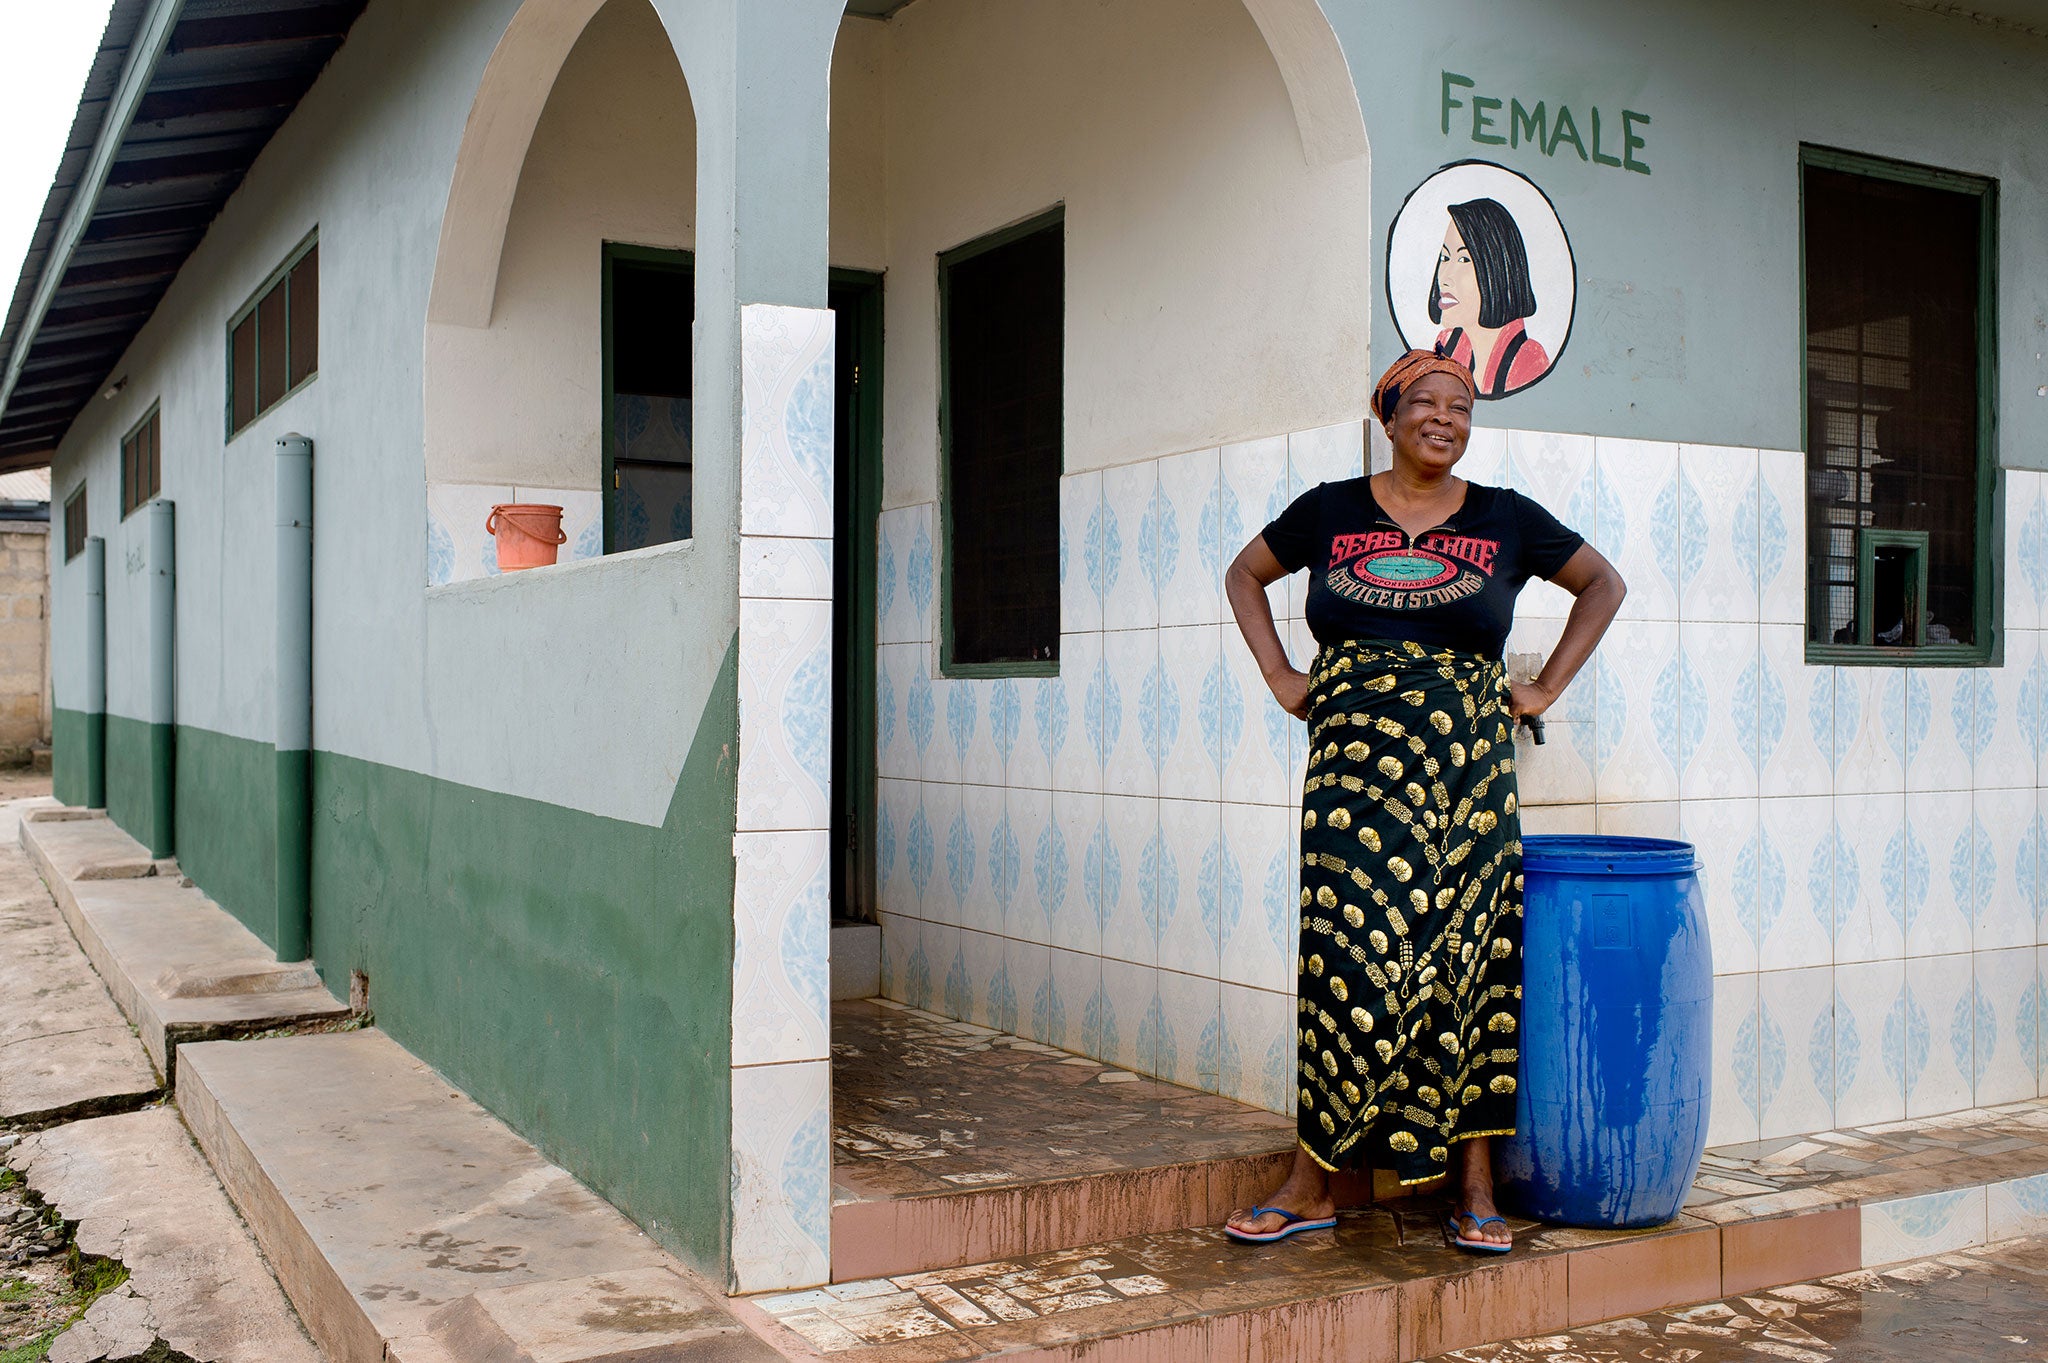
{"points": [[1218, 287], [614, 158]]}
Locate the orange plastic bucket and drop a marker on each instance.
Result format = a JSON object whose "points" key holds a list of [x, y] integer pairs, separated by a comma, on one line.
{"points": [[528, 534]]}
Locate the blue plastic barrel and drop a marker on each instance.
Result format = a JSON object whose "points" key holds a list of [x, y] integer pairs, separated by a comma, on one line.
{"points": [[1617, 1033]]}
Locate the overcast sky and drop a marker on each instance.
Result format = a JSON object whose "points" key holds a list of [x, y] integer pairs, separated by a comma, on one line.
{"points": [[46, 48]]}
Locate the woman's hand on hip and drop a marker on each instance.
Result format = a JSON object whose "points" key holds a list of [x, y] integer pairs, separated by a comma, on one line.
{"points": [[1290, 688], [1529, 699]]}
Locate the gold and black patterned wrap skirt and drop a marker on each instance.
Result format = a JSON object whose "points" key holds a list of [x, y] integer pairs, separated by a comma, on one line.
{"points": [[1411, 907]]}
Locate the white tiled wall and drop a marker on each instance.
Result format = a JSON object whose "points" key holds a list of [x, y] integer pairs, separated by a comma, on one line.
{"points": [[1104, 860]]}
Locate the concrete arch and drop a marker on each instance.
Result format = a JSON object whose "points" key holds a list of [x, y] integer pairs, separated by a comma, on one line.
{"points": [[1318, 79], [509, 99]]}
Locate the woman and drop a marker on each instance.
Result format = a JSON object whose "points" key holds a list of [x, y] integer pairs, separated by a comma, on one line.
{"points": [[1411, 886], [1482, 290]]}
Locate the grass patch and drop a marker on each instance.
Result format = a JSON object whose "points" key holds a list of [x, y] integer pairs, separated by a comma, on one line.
{"points": [[36, 1350], [14, 1289], [9, 1180]]}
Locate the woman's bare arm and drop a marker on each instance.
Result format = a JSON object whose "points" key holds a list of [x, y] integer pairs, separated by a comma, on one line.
{"points": [[1245, 582], [1597, 591]]}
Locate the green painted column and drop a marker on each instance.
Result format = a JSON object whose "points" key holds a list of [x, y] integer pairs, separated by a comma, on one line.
{"points": [[294, 697], [162, 701], [92, 734]]}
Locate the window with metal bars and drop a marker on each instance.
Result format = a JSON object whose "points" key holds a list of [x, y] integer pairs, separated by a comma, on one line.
{"points": [[1899, 365], [1002, 325], [141, 463], [74, 524], [274, 341]]}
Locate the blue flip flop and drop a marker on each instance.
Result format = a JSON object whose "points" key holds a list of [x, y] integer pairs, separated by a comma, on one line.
{"points": [[1290, 1225], [1456, 1238]]}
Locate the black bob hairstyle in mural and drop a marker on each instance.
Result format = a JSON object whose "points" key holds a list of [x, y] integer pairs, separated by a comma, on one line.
{"points": [[1500, 260]]}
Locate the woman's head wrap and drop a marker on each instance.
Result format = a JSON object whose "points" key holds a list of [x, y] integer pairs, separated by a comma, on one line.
{"points": [[1405, 372]]}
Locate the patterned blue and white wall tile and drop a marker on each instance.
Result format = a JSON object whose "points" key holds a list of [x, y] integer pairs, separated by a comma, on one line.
{"points": [[2015, 1208], [1129, 702], [1115, 866], [1795, 716], [974, 858], [1129, 583], [1718, 685], [2026, 550], [1251, 492], [1796, 1026], [1641, 819], [1486, 454], [1561, 770], [1726, 834], [2006, 879], [1794, 855], [1088, 554], [1179, 538], [1060, 873], [1637, 522], [1256, 758], [1027, 968], [1117, 1014], [1258, 1025], [781, 1175], [785, 714], [1921, 1227], [1938, 724], [1940, 996], [1192, 710], [1717, 549], [1781, 537], [1870, 877], [982, 979], [1875, 1041], [1869, 730], [1072, 713], [1939, 861], [1556, 470], [786, 383], [897, 808], [1327, 454], [1558, 819], [1073, 979], [785, 569], [2007, 1002], [1259, 942], [906, 575], [1186, 1030], [1637, 711], [956, 854], [979, 716], [781, 955], [1737, 1054], [1013, 849], [1186, 908], [2011, 732]]}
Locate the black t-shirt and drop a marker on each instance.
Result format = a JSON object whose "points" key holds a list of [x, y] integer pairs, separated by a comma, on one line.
{"points": [[1453, 586]]}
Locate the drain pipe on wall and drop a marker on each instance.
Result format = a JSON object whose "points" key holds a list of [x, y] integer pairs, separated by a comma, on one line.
{"points": [[94, 796], [294, 698], [161, 531]]}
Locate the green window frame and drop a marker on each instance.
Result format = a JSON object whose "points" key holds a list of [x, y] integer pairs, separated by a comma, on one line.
{"points": [[142, 467], [274, 338], [74, 523], [948, 262], [1901, 546]]}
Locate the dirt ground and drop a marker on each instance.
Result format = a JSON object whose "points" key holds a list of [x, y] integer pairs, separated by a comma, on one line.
{"points": [[44, 1283], [19, 783]]}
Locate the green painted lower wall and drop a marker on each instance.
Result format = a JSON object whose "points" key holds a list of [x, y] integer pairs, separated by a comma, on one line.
{"points": [[226, 811], [78, 754], [139, 762], [571, 973]]}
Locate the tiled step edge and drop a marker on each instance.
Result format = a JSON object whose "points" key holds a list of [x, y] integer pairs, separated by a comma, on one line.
{"points": [[890, 1237]]}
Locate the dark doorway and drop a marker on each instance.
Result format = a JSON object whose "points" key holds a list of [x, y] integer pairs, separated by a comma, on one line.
{"points": [[650, 300], [856, 300]]}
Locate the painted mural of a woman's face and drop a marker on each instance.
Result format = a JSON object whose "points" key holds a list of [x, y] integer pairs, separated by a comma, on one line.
{"points": [[1479, 294]]}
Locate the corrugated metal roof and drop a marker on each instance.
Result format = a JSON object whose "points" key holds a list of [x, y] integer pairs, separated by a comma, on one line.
{"points": [[29, 485], [194, 116]]}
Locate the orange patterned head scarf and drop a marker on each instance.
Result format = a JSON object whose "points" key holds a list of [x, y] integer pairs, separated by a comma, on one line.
{"points": [[1405, 372]]}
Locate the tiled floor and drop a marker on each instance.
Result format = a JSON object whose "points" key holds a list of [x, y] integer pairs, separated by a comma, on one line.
{"points": [[923, 1105], [1988, 1306]]}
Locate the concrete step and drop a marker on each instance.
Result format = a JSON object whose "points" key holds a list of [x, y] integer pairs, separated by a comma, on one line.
{"points": [[408, 1224], [954, 1144], [178, 965], [1383, 1287], [65, 1050]]}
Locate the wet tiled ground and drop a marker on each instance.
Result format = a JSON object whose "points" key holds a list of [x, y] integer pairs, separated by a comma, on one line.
{"points": [[1989, 1304], [923, 1105]]}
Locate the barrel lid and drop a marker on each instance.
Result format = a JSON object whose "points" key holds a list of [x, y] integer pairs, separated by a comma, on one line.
{"points": [[1582, 853]]}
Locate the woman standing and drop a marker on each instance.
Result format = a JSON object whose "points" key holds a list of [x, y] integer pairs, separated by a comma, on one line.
{"points": [[1411, 881]]}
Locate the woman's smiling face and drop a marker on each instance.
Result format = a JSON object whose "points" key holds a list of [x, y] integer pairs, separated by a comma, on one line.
{"points": [[1457, 283], [1432, 422]]}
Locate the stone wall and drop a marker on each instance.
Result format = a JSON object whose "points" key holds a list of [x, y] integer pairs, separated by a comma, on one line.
{"points": [[24, 639]]}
